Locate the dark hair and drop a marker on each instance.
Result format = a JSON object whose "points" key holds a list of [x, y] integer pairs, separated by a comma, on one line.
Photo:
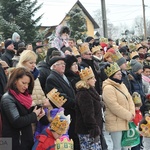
{"points": [[146, 67], [20, 50], [64, 29], [17, 74]]}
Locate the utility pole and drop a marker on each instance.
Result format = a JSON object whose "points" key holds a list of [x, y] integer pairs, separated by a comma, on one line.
{"points": [[144, 20], [103, 7]]}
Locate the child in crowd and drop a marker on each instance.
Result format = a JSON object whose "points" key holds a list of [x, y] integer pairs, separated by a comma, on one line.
{"points": [[138, 116], [58, 126]]}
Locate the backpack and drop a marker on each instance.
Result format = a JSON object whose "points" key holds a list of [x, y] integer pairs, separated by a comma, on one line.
{"points": [[44, 141]]}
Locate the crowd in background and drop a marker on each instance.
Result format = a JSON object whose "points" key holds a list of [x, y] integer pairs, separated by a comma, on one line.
{"points": [[96, 80]]}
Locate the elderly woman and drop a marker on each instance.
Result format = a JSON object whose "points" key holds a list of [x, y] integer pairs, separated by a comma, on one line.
{"points": [[16, 112], [88, 112], [120, 108]]}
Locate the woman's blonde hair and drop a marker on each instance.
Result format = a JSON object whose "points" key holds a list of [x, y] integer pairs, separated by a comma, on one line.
{"points": [[82, 84], [25, 56]]}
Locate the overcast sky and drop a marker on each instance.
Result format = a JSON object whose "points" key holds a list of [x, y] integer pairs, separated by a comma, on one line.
{"points": [[120, 11]]}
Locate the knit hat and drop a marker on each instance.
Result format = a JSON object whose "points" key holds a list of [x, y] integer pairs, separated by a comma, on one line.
{"points": [[8, 42], [69, 61], [137, 99], [121, 61], [135, 65], [55, 59]]}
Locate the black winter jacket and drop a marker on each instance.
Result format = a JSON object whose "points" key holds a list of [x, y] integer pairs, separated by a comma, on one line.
{"points": [[44, 70], [16, 123]]}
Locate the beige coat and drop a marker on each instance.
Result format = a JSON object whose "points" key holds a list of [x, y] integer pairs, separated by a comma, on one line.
{"points": [[119, 109]]}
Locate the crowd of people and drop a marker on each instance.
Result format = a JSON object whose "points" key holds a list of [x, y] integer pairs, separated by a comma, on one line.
{"points": [[71, 92]]}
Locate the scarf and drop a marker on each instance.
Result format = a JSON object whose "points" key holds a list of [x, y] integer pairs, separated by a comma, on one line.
{"points": [[116, 80], [145, 78], [25, 99], [35, 73]]}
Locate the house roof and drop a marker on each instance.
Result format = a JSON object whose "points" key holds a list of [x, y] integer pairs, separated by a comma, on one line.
{"points": [[55, 18]]}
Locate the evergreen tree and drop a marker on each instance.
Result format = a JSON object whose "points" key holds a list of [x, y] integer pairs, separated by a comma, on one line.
{"points": [[77, 24], [17, 16]]}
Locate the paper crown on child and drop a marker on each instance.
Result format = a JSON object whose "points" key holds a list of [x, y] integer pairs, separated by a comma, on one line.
{"points": [[137, 99], [55, 98], [64, 144], [83, 48], [86, 74], [96, 48], [112, 69], [144, 126], [60, 123]]}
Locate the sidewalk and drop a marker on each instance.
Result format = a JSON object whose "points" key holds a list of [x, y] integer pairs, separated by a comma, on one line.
{"points": [[108, 140]]}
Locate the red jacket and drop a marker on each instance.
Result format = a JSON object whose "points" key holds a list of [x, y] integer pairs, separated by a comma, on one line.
{"points": [[45, 141], [138, 117]]}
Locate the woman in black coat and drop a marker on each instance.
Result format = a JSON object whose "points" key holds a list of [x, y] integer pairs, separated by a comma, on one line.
{"points": [[89, 120], [72, 70], [16, 112]]}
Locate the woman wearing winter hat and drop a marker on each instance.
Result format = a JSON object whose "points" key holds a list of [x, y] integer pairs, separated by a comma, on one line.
{"points": [[72, 70], [120, 108]]}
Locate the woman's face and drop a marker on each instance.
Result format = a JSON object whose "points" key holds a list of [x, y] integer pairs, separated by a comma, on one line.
{"points": [[118, 75], [91, 82], [30, 65], [22, 84], [74, 67]]}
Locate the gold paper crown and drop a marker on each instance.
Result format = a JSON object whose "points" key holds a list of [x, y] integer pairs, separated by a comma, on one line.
{"points": [[54, 96], [86, 73], [60, 123], [112, 69], [133, 54], [75, 51], [116, 55], [64, 145], [136, 98], [83, 48], [122, 44], [145, 127], [138, 46], [132, 47], [103, 40], [96, 48]]}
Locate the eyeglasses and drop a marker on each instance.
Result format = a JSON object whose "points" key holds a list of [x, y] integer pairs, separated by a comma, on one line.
{"points": [[61, 64]]}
